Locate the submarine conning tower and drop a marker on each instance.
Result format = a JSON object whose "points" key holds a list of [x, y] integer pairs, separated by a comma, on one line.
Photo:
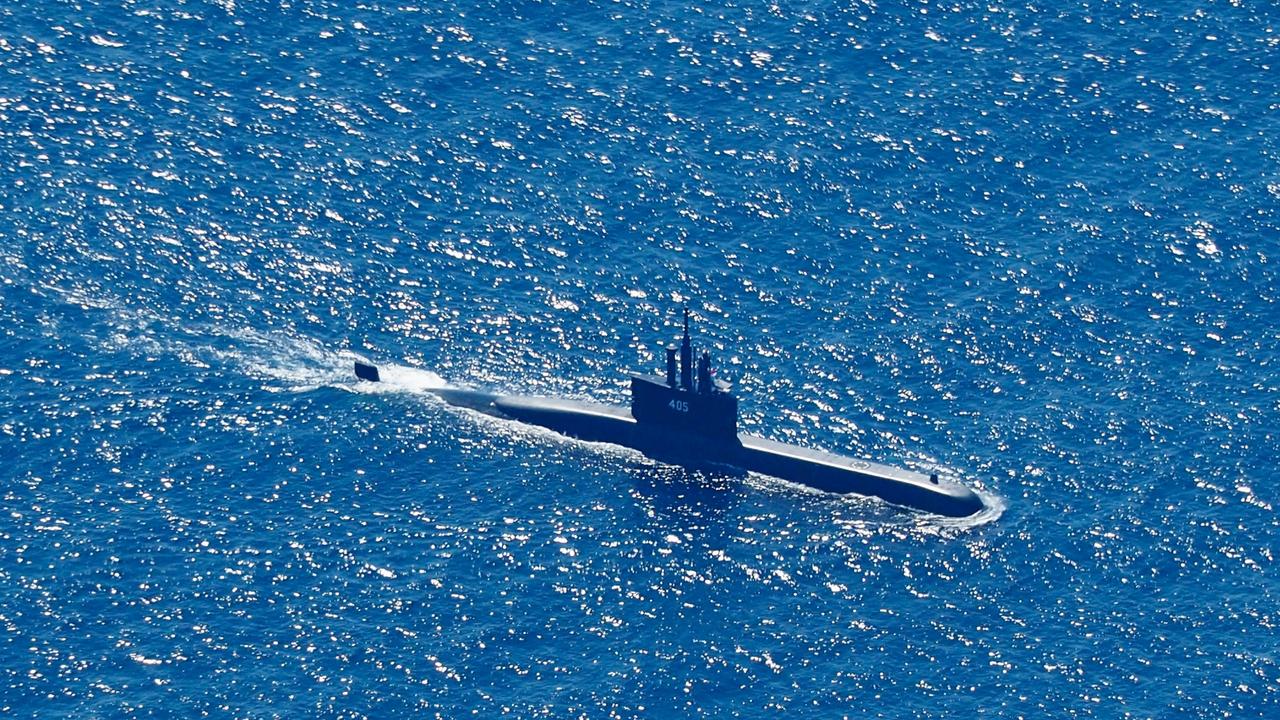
{"points": [[704, 410]]}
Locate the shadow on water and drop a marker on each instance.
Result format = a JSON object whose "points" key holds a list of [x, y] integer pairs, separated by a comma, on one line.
{"points": [[681, 496]]}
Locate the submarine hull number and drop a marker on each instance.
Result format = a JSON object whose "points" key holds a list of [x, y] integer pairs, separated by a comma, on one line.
{"points": [[679, 405]]}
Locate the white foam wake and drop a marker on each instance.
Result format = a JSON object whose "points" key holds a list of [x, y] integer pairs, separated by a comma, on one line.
{"points": [[285, 362], [296, 364], [406, 379], [282, 359]]}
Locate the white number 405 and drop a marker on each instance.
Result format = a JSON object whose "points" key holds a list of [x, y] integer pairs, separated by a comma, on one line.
{"points": [[679, 405]]}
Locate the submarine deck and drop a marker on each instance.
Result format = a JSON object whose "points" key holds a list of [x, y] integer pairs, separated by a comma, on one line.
{"points": [[842, 474], [830, 459]]}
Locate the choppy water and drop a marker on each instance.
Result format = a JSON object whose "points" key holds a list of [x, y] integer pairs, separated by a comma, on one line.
{"points": [[1029, 246]]}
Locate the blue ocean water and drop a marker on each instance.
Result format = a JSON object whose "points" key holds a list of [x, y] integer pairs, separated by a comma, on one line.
{"points": [[1029, 246]]}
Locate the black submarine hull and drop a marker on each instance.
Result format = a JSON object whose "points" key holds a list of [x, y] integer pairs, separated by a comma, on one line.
{"points": [[817, 469]]}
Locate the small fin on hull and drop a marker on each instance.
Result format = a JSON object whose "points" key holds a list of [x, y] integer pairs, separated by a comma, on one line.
{"points": [[367, 372]]}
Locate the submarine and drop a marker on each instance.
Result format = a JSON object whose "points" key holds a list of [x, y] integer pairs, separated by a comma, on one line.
{"points": [[693, 421]]}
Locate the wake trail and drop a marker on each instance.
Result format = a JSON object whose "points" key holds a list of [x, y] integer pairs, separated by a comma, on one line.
{"points": [[282, 359], [288, 363]]}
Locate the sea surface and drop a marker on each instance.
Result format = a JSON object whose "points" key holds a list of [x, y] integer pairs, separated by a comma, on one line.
{"points": [[1033, 247]]}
